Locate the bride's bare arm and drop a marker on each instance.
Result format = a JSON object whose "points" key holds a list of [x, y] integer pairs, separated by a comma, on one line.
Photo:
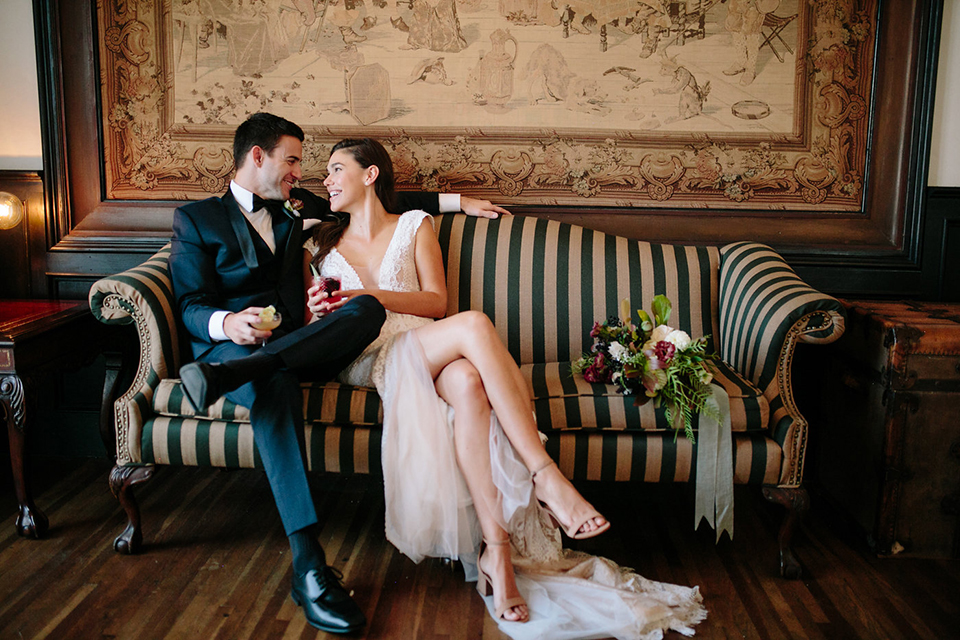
{"points": [[431, 300]]}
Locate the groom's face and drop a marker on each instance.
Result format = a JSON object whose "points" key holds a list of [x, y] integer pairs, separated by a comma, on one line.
{"points": [[279, 170]]}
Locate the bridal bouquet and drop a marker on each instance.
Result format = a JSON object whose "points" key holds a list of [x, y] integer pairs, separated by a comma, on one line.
{"points": [[651, 361]]}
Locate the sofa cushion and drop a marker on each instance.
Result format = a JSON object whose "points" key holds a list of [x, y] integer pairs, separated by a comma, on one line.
{"points": [[217, 443], [563, 402], [330, 403], [582, 455], [566, 402]]}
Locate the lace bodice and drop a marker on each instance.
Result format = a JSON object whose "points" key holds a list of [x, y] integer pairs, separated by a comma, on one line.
{"points": [[398, 272]]}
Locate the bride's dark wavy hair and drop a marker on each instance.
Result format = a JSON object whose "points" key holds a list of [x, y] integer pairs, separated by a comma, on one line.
{"points": [[367, 152]]}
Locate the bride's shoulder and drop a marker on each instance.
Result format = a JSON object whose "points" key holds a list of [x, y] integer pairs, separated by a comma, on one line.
{"points": [[414, 218], [416, 214]]}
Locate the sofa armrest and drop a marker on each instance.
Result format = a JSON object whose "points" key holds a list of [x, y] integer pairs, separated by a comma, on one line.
{"points": [[142, 296], [765, 310]]}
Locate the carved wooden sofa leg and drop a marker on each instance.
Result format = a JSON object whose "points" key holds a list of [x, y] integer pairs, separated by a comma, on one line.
{"points": [[797, 503], [122, 480]]}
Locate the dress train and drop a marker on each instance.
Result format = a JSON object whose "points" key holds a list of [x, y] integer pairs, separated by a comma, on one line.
{"points": [[570, 595]]}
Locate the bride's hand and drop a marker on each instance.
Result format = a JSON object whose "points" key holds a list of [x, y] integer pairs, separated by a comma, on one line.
{"points": [[318, 303], [353, 293]]}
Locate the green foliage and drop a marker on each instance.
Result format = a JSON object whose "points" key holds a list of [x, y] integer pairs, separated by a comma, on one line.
{"points": [[661, 309], [628, 356]]}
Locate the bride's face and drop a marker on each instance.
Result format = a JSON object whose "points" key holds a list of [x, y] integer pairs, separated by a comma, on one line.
{"points": [[346, 182]]}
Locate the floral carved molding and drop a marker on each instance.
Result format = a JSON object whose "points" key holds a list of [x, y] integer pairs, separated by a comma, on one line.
{"points": [[156, 148]]}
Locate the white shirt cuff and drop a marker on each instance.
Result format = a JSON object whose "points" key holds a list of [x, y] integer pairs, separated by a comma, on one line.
{"points": [[449, 202], [215, 326]]}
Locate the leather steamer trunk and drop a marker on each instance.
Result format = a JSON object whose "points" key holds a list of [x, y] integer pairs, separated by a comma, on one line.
{"points": [[888, 451]]}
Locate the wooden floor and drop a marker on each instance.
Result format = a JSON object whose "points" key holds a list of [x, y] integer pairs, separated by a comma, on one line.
{"points": [[216, 565]]}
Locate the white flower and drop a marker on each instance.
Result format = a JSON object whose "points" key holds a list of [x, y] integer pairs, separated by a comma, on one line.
{"points": [[618, 351], [660, 332], [705, 376], [679, 339]]}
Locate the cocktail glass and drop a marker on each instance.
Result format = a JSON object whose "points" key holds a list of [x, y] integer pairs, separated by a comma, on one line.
{"points": [[268, 325], [328, 285]]}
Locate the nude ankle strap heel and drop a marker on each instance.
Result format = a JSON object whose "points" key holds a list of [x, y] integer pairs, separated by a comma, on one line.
{"points": [[533, 474], [485, 584], [573, 529]]}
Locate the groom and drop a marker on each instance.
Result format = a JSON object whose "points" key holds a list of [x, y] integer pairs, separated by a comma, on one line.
{"points": [[231, 257]]}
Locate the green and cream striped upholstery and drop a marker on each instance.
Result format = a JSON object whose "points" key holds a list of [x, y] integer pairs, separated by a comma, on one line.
{"points": [[142, 296], [765, 310], [543, 283]]}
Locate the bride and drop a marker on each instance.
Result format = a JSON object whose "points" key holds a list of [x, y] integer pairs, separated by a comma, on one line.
{"points": [[463, 461]]}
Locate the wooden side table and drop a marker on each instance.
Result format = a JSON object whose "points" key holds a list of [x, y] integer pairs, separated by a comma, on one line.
{"points": [[37, 337]]}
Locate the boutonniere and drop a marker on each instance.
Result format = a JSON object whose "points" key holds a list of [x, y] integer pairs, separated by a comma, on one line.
{"points": [[293, 206]]}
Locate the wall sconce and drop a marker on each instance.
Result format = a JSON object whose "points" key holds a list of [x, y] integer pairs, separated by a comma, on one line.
{"points": [[11, 210]]}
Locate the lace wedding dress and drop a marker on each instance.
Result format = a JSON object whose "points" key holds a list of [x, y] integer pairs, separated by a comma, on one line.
{"points": [[429, 512]]}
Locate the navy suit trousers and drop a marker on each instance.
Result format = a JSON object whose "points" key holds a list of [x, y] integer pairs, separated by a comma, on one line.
{"points": [[316, 352]]}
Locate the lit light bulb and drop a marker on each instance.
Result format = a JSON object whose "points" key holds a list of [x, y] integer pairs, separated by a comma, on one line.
{"points": [[11, 210]]}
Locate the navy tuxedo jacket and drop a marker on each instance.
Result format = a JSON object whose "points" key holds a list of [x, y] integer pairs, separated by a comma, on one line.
{"points": [[219, 261]]}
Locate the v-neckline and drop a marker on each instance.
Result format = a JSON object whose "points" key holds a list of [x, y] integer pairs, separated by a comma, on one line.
{"points": [[386, 252]]}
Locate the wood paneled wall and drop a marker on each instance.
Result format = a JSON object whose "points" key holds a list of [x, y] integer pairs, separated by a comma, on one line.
{"points": [[22, 249]]}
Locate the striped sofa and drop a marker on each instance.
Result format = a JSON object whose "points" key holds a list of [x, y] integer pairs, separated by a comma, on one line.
{"points": [[543, 283]]}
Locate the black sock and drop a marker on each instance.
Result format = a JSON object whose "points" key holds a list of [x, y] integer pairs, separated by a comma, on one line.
{"points": [[307, 552], [242, 370]]}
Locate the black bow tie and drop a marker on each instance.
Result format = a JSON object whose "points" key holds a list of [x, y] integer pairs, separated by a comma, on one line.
{"points": [[273, 206]]}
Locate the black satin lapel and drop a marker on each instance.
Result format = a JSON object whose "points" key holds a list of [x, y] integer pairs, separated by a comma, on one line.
{"points": [[292, 249], [291, 289], [239, 223]]}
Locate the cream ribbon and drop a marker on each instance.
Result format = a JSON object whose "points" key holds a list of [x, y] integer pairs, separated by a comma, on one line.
{"points": [[714, 499]]}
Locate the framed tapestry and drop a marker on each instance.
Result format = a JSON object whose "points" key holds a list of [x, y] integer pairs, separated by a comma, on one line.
{"points": [[756, 104], [793, 122]]}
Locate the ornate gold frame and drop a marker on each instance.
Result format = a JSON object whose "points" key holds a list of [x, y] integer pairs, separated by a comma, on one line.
{"points": [[820, 167]]}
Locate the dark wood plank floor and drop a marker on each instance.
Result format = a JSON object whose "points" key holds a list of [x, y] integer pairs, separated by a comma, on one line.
{"points": [[216, 565]]}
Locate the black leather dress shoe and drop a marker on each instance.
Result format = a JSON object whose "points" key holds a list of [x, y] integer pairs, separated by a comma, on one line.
{"points": [[201, 384], [325, 602]]}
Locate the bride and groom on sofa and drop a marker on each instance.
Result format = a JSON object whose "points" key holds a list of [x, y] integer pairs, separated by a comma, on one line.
{"points": [[466, 475]]}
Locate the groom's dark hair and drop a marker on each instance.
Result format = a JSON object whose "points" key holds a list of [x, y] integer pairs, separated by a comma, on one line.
{"points": [[262, 130]]}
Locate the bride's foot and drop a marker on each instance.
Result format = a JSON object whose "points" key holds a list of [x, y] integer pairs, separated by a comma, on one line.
{"points": [[496, 578], [565, 505]]}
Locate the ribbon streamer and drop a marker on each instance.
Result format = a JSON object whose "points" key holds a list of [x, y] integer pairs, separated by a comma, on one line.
{"points": [[714, 499]]}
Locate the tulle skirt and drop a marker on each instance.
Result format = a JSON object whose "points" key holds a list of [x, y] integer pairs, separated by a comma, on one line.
{"points": [[429, 513]]}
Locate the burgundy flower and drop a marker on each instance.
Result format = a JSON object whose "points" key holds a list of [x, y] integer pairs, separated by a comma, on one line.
{"points": [[598, 371], [664, 350], [596, 329]]}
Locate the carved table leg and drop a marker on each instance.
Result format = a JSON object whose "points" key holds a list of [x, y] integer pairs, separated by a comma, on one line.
{"points": [[797, 503], [31, 522], [122, 480]]}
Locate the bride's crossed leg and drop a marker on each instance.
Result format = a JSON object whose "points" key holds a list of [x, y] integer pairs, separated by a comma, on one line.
{"points": [[473, 372], [470, 335], [459, 384]]}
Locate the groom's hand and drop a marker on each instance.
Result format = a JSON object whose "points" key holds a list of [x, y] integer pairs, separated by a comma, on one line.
{"points": [[481, 208], [238, 327]]}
